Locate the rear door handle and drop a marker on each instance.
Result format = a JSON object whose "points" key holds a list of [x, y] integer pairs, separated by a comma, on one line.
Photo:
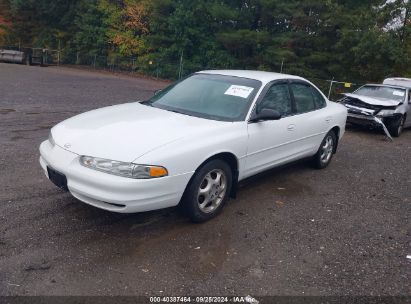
{"points": [[328, 119], [291, 128]]}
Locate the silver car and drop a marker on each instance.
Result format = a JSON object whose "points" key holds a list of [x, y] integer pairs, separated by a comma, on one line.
{"points": [[386, 105]]}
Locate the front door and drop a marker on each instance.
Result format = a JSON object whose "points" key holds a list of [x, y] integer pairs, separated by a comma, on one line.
{"points": [[270, 143], [313, 120]]}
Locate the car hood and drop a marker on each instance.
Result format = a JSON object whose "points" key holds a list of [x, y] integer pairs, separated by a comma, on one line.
{"points": [[375, 101], [126, 132]]}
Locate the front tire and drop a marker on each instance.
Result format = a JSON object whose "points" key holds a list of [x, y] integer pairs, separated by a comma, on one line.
{"points": [[396, 127], [325, 153], [208, 191]]}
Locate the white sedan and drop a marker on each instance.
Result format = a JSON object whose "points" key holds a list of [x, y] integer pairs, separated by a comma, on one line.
{"points": [[192, 142]]}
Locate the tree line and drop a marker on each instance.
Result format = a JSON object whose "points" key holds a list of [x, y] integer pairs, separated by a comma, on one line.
{"points": [[360, 41]]}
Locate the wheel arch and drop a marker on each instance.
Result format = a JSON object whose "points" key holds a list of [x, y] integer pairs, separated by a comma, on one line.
{"points": [[337, 132], [232, 160]]}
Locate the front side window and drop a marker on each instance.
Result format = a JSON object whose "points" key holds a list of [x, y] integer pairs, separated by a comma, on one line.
{"points": [[277, 98], [209, 96], [303, 96]]}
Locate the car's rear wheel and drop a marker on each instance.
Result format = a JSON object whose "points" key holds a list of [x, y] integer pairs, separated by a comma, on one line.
{"points": [[326, 151], [208, 191], [396, 127]]}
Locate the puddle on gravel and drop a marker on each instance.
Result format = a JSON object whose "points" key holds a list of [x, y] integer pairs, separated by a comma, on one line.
{"points": [[279, 181], [290, 187], [50, 112], [7, 111], [39, 128], [15, 138]]}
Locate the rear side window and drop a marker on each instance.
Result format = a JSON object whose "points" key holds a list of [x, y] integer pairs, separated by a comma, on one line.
{"points": [[304, 98], [318, 99]]}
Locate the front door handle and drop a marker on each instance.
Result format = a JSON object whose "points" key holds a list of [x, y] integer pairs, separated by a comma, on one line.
{"points": [[291, 128]]}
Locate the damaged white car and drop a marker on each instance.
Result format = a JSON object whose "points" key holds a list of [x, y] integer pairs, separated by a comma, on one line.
{"points": [[381, 105]]}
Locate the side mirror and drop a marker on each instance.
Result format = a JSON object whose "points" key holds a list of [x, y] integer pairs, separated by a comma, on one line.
{"points": [[265, 115]]}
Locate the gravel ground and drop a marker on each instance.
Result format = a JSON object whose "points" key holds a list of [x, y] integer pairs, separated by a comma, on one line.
{"points": [[291, 231]]}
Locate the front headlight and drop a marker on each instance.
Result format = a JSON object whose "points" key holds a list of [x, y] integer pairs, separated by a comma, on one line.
{"points": [[123, 169], [386, 113]]}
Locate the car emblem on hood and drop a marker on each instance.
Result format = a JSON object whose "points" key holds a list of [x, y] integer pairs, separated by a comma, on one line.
{"points": [[67, 146]]}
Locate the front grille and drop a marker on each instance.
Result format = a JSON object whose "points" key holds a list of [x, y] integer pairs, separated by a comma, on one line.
{"points": [[361, 104]]}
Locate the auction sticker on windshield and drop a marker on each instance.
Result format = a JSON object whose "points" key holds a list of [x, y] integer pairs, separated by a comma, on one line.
{"points": [[239, 91], [399, 93]]}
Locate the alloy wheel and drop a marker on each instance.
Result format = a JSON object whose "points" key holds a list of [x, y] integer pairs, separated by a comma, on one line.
{"points": [[327, 149], [212, 191]]}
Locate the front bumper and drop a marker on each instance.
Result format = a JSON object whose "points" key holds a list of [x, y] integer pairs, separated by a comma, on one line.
{"points": [[365, 120], [371, 119], [111, 192]]}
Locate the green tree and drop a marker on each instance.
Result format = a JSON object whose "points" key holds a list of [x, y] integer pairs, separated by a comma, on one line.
{"points": [[90, 29], [40, 22], [350, 40]]}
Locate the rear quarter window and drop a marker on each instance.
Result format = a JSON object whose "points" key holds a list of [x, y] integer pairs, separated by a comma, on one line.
{"points": [[318, 99], [303, 96]]}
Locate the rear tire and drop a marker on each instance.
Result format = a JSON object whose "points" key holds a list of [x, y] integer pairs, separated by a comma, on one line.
{"points": [[325, 153], [397, 126], [208, 191]]}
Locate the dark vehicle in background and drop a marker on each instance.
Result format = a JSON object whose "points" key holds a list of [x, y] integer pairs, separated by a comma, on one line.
{"points": [[385, 105]]}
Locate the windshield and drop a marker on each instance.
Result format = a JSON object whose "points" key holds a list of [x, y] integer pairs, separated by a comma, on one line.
{"points": [[209, 96], [380, 92]]}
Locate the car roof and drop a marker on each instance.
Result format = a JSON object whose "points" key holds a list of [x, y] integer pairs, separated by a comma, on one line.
{"points": [[397, 81], [264, 77]]}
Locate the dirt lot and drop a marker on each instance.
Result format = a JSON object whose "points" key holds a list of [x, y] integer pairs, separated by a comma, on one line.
{"points": [[294, 231]]}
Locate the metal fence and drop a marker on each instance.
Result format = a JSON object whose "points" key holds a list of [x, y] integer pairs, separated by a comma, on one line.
{"points": [[159, 68], [174, 70], [334, 89], [164, 69]]}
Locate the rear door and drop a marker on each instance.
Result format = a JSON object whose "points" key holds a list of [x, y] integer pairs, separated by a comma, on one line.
{"points": [[312, 119]]}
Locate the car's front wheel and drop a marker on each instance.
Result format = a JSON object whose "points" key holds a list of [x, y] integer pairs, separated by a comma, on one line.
{"points": [[208, 191], [397, 126], [326, 151]]}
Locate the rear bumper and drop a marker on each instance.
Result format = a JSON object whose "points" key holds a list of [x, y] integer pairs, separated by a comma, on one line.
{"points": [[110, 192]]}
